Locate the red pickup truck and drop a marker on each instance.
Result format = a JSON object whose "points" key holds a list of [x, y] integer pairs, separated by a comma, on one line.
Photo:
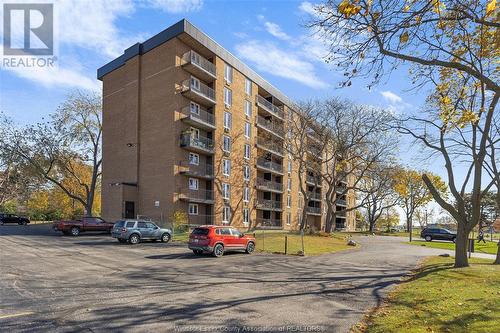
{"points": [[75, 227]]}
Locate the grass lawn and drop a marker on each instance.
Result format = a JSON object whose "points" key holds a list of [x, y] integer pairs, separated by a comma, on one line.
{"points": [[440, 298], [489, 247], [274, 242]]}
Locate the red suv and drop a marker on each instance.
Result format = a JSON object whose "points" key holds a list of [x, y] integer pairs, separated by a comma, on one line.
{"points": [[217, 240]]}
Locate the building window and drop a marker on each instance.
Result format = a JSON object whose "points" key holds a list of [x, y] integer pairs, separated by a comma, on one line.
{"points": [[226, 167], [246, 216], [228, 120], [195, 108], [226, 214], [193, 209], [246, 172], [247, 151], [300, 202], [248, 130], [228, 73], [194, 159], [288, 218], [195, 133], [248, 87], [226, 144], [195, 83], [289, 184], [226, 191], [289, 201], [248, 108], [228, 97], [289, 165], [246, 194], [193, 184]]}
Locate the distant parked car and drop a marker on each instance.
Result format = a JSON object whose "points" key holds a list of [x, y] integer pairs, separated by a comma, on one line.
{"points": [[134, 231], [85, 224], [217, 240], [430, 234], [12, 218]]}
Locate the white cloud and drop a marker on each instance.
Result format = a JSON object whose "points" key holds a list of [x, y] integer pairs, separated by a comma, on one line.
{"points": [[276, 31], [176, 6], [269, 58], [391, 97], [308, 8], [59, 77]]}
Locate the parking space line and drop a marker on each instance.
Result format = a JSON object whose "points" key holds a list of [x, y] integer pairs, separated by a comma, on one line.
{"points": [[19, 314]]}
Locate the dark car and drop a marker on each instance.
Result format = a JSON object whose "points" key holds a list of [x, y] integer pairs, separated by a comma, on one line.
{"points": [[85, 224], [430, 234], [12, 218]]}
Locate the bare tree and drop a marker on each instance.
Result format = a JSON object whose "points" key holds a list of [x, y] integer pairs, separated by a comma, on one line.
{"points": [[378, 189], [358, 142], [65, 151], [445, 41]]}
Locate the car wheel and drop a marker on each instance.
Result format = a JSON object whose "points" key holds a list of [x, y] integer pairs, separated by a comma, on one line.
{"points": [[218, 250], [250, 247], [428, 238], [1, 222], [134, 239], [75, 231], [165, 238], [454, 239], [198, 252]]}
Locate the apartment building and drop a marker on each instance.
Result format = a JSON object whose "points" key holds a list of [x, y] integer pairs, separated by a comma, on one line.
{"points": [[191, 132]]}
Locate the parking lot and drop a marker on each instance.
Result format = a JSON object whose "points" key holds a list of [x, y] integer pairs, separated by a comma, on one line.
{"points": [[56, 283]]}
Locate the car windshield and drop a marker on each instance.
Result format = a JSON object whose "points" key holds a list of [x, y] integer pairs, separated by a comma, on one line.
{"points": [[200, 231], [119, 224]]}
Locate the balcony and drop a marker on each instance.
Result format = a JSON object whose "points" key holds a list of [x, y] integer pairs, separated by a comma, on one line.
{"points": [[198, 117], [269, 107], [199, 196], [271, 127], [313, 180], [198, 92], [268, 204], [202, 170], [200, 145], [201, 219], [270, 166], [269, 223], [313, 135], [341, 202], [314, 196], [313, 211], [268, 185], [200, 67], [274, 147], [315, 151]]}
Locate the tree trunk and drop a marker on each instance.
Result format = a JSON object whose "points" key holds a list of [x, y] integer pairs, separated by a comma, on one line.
{"points": [[497, 260], [372, 225], [461, 259]]}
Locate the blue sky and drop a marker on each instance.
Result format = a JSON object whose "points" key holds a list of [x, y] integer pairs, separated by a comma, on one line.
{"points": [[267, 35]]}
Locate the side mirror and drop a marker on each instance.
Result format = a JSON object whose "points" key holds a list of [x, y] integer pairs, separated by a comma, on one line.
{"points": [[242, 235], [157, 227]]}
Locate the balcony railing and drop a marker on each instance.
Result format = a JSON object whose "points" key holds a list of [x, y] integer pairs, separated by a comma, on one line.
{"points": [[341, 202], [314, 195], [199, 88], [315, 150], [202, 143], [313, 135], [271, 126], [268, 184], [270, 107], [270, 223], [196, 59], [313, 210], [201, 219], [197, 195], [273, 146], [267, 204], [200, 115], [201, 170], [270, 165], [313, 180]]}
